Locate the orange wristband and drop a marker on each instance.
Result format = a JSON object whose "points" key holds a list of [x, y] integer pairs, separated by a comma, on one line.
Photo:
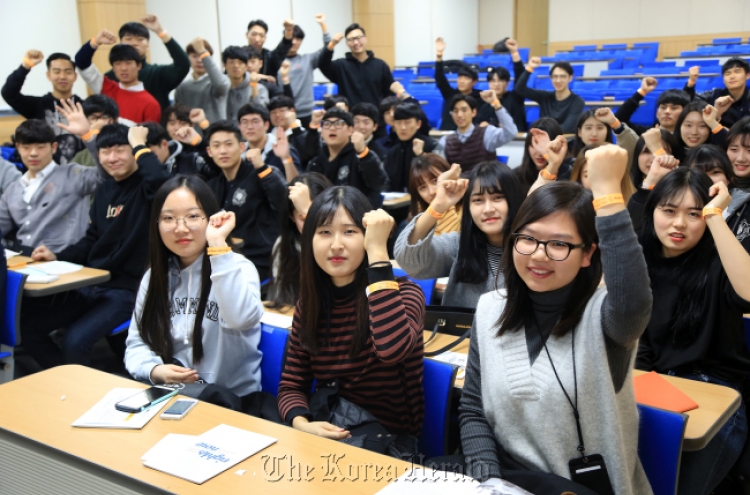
{"points": [[641, 92], [204, 55], [331, 46], [162, 34], [434, 214], [617, 124], [364, 153], [195, 141], [496, 104], [90, 134], [93, 42], [609, 199], [313, 126], [707, 211], [142, 152], [660, 152], [718, 129], [204, 124], [265, 173], [213, 251], [546, 175], [28, 62], [253, 84]]}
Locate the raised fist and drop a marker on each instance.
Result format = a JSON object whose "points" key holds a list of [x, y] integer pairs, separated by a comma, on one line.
{"points": [[199, 45], [605, 115], [105, 37], [511, 45], [606, 167], [336, 38], [197, 116], [648, 84], [693, 72], [358, 140], [439, 46], [534, 62], [320, 19], [152, 22], [288, 25], [255, 157], [35, 57]]}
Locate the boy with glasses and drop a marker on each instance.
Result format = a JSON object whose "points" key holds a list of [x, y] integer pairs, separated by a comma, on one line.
{"points": [[346, 160], [275, 150], [360, 76]]}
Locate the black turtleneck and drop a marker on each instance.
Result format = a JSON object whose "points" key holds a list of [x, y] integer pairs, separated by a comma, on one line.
{"points": [[547, 308]]}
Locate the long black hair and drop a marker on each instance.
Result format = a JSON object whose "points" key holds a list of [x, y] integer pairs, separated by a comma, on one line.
{"points": [[696, 105], [575, 200], [154, 322], [708, 157], [692, 273], [492, 177], [284, 289], [527, 172], [316, 287], [672, 147], [582, 120]]}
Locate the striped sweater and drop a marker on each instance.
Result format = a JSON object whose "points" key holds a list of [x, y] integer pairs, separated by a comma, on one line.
{"points": [[385, 378]]}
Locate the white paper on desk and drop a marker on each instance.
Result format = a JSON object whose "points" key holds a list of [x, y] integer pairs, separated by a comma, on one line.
{"points": [[104, 414], [210, 454], [450, 357], [392, 195], [442, 280], [58, 267], [36, 276], [419, 481], [276, 320], [9, 254], [166, 446]]}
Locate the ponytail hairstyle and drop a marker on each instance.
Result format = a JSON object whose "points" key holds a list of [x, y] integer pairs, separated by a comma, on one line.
{"points": [[155, 322], [692, 274]]}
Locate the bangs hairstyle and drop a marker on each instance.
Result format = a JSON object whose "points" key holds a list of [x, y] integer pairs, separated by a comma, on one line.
{"points": [[588, 114], [575, 201], [668, 140], [316, 286], [154, 323], [112, 135], [134, 29], [221, 126], [692, 273], [696, 106], [331, 101], [527, 172], [493, 178], [368, 110], [741, 130], [406, 111], [285, 285], [254, 109], [156, 134], [34, 131], [280, 102], [124, 53], [499, 72], [626, 185], [190, 49], [707, 157], [674, 97], [102, 104], [59, 56], [180, 111], [337, 113], [424, 168], [234, 53]]}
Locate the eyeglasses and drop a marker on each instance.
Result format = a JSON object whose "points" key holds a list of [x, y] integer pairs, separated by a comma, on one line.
{"points": [[168, 223], [354, 39], [555, 250], [338, 124]]}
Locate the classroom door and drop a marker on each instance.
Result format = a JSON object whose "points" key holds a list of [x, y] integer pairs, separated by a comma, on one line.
{"points": [[531, 25]]}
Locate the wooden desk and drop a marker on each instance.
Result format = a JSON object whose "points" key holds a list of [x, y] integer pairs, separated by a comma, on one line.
{"points": [[69, 281], [716, 403], [41, 450], [392, 204]]}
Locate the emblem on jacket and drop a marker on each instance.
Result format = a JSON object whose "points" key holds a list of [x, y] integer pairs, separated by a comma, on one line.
{"points": [[744, 231], [113, 211], [344, 173], [239, 197]]}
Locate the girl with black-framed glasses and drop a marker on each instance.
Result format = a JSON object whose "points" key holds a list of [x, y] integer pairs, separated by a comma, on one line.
{"points": [[549, 378]]}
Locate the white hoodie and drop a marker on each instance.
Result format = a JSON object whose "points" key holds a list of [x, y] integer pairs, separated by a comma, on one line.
{"points": [[231, 324]]}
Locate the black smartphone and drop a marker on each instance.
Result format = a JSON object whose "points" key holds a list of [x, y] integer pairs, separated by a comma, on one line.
{"points": [[145, 399]]}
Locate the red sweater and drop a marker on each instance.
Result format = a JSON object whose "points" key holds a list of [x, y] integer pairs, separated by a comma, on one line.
{"points": [[138, 106], [385, 378]]}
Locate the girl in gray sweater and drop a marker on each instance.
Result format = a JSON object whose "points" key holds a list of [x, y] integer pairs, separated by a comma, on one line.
{"points": [[553, 343], [470, 259], [198, 310]]}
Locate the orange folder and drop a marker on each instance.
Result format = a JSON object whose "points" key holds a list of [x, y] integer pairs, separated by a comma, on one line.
{"points": [[651, 389]]}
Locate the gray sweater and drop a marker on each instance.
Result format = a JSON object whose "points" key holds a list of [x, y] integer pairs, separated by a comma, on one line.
{"points": [[58, 213], [9, 173], [208, 92], [435, 257], [241, 95], [510, 402], [301, 78]]}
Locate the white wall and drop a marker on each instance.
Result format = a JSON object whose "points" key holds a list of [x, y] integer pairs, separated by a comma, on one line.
{"points": [[55, 29], [495, 21], [185, 20], [574, 20], [417, 23]]}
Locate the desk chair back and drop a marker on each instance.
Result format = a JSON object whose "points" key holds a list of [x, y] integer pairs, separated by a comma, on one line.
{"points": [[437, 383], [10, 333], [273, 344], [660, 437], [427, 285]]}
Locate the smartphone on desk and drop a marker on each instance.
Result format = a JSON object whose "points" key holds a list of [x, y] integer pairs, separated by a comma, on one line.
{"points": [[145, 399], [179, 409]]}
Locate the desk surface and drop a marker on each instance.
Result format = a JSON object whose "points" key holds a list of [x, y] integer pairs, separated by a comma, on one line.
{"points": [[716, 403], [39, 414], [69, 281]]}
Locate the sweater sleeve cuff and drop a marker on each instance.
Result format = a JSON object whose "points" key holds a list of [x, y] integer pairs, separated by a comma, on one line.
{"points": [[380, 273], [297, 411]]}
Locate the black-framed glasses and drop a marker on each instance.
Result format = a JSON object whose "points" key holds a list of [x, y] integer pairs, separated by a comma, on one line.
{"points": [[338, 124], [168, 223], [555, 250]]}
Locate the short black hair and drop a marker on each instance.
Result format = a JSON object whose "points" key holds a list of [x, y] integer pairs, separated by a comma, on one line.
{"points": [[257, 22], [253, 109], [134, 29], [179, 110], [462, 97], [740, 129], [102, 104], [501, 73], [735, 62], [366, 110], [353, 27], [331, 101], [387, 103], [280, 102], [406, 111], [59, 56], [468, 72], [338, 113], [156, 134], [222, 126], [673, 97], [253, 52], [564, 66], [234, 52], [112, 135], [124, 53], [297, 32], [34, 131]]}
